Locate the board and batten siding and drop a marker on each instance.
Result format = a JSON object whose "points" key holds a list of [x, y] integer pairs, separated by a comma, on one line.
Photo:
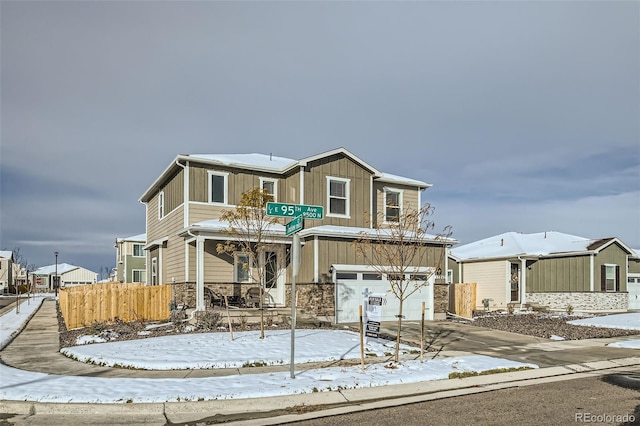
{"points": [[491, 279], [571, 273], [339, 166], [238, 182], [341, 251]]}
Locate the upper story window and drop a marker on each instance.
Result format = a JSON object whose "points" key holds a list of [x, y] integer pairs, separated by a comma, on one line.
{"points": [[138, 250], [270, 186], [337, 196], [392, 205], [161, 205], [218, 183]]}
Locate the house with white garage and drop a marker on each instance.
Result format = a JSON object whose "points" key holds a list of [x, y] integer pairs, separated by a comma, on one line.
{"points": [[68, 275], [184, 205], [549, 269]]}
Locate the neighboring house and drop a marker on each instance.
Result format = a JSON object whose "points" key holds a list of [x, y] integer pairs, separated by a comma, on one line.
{"points": [[633, 281], [131, 259], [185, 203], [548, 269], [7, 271], [69, 275]]}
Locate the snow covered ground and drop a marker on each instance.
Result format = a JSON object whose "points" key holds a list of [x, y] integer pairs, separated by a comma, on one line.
{"points": [[217, 350]]}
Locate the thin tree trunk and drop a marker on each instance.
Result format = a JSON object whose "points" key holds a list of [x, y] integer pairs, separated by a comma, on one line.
{"points": [[397, 357], [261, 312]]}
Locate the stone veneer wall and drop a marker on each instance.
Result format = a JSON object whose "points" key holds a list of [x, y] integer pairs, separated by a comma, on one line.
{"points": [[315, 299], [440, 301], [581, 301]]}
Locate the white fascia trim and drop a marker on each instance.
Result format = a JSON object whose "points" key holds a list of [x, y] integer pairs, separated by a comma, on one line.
{"points": [[371, 200], [301, 184]]}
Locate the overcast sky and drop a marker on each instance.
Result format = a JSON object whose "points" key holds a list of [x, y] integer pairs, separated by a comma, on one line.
{"points": [[525, 116]]}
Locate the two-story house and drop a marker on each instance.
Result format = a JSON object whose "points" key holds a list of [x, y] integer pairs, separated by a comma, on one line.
{"points": [[183, 228], [7, 263], [130, 259]]}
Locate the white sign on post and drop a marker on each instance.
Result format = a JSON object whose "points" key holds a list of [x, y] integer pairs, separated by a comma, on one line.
{"points": [[373, 314]]}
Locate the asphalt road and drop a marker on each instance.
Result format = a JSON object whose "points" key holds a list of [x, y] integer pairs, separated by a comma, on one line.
{"points": [[568, 402]]}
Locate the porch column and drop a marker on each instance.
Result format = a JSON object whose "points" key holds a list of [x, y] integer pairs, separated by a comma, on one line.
{"points": [[200, 274], [523, 281]]}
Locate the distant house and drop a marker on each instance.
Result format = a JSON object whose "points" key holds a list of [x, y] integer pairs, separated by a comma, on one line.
{"points": [[69, 275], [633, 281], [7, 270], [549, 269], [183, 228], [131, 259]]}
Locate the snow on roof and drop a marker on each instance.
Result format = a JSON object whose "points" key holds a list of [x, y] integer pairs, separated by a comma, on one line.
{"points": [[7, 254], [514, 244], [51, 269], [140, 237], [355, 232], [388, 177], [261, 161]]}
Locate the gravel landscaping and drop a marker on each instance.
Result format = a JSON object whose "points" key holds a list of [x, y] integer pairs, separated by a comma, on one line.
{"points": [[545, 325]]}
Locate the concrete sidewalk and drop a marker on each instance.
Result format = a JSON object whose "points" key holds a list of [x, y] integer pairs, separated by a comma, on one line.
{"points": [[36, 348]]}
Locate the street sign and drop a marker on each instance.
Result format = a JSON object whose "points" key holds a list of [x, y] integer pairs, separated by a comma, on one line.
{"points": [[294, 226], [293, 210]]}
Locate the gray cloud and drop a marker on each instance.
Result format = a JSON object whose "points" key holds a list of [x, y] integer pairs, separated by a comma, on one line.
{"points": [[506, 107]]}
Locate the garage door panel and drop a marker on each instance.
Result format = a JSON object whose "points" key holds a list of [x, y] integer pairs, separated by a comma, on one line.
{"points": [[350, 295]]}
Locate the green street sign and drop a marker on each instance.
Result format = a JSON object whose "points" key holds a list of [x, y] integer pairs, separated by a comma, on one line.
{"points": [[294, 226], [293, 210]]}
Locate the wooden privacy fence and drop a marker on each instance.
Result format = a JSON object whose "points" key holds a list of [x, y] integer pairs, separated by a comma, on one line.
{"points": [[84, 305], [463, 299]]}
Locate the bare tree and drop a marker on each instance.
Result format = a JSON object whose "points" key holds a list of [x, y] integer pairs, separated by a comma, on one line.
{"points": [[252, 235], [401, 249]]}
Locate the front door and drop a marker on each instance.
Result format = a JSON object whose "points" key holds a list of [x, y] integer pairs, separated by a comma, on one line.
{"points": [[514, 282], [274, 279]]}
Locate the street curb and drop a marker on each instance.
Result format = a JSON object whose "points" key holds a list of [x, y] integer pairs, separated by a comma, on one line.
{"points": [[335, 402]]}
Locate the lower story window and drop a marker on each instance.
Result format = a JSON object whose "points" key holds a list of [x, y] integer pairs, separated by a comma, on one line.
{"points": [[139, 276], [242, 267]]}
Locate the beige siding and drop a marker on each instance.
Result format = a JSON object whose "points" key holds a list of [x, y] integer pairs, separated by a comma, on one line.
{"points": [[491, 278], [339, 166], [340, 251], [238, 183], [634, 266]]}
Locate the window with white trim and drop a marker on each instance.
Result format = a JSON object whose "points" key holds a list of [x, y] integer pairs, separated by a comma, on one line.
{"points": [[337, 196], [161, 205], [138, 250], [242, 267], [270, 186], [138, 275], [218, 187], [610, 277], [392, 205]]}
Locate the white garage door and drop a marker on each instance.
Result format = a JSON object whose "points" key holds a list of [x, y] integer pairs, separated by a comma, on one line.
{"points": [[633, 288], [351, 286]]}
